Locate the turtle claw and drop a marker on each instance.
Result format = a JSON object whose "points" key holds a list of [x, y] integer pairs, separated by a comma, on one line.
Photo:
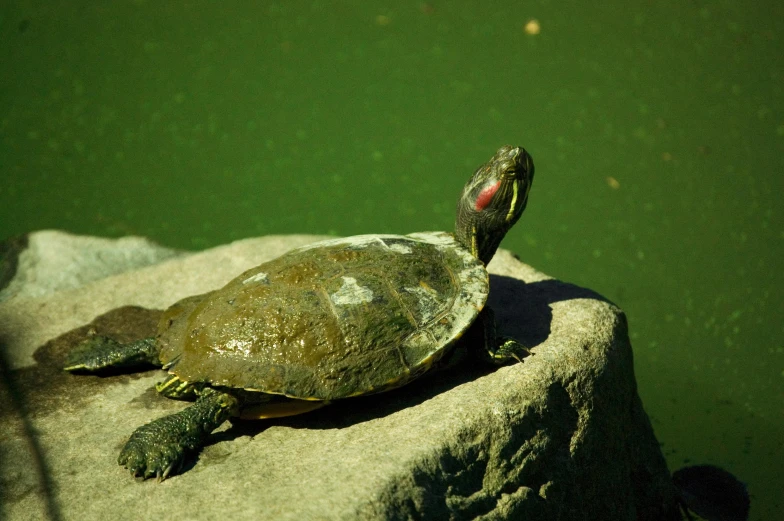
{"points": [[158, 449], [161, 476], [153, 464], [510, 350], [153, 450], [167, 471]]}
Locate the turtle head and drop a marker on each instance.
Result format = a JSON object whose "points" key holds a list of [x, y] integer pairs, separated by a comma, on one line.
{"points": [[493, 200]]}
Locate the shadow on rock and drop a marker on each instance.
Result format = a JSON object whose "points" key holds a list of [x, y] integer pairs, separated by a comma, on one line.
{"points": [[46, 387]]}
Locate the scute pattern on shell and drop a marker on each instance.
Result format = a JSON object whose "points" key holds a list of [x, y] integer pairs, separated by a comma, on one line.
{"points": [[333, 319]]}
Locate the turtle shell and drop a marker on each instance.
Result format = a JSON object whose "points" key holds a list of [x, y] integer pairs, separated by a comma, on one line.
{"points": [[333, 319]]}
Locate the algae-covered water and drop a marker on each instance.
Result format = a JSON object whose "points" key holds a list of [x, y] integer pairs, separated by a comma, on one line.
{"points": [[657, 129]]}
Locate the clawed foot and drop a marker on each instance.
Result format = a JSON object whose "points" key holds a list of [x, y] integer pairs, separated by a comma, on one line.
{"points": [[159, 448], [155, 449], [509, 350]]}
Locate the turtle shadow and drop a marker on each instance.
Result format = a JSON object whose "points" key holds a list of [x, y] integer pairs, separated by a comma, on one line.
{"points": [[523, 311], [46, 387]]}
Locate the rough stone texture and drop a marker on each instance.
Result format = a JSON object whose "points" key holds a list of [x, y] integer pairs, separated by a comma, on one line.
{"points": [[561, 436], [47, 261]]}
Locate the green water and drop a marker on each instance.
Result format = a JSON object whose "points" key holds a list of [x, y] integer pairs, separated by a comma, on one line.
{"points": [[657, 130]]}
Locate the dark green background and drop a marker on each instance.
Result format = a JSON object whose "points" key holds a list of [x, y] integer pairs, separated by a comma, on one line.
{"points": [[657, 130]]}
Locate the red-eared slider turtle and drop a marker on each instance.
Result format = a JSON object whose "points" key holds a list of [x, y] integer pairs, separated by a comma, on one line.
{"points": [[328, 321]]}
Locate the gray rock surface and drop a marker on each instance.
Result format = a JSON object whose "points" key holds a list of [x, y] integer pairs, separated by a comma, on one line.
{"points": [[47, 261], [561, 436]]}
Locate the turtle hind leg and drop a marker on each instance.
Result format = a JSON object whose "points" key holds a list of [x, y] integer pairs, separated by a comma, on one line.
{"points": [[99, 353], [159, 448]]}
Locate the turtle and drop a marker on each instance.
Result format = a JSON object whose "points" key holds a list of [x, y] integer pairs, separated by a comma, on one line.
{"points": [[324, 322]]}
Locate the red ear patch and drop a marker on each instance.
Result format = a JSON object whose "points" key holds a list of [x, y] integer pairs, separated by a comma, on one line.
{"points": [[485, 196]]}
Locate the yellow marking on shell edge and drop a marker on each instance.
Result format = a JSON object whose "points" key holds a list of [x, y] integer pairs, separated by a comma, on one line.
{"points": [[279, 410], [514, 200], [279, 393], [426, 362]]}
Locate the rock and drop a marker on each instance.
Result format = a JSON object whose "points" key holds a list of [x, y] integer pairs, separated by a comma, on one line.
{"points": [[41, 263], [561, 436]]}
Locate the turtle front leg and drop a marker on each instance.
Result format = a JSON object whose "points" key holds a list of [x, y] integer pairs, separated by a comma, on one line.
{"points": [[498, 350], [159, 448], [97, 353]]}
